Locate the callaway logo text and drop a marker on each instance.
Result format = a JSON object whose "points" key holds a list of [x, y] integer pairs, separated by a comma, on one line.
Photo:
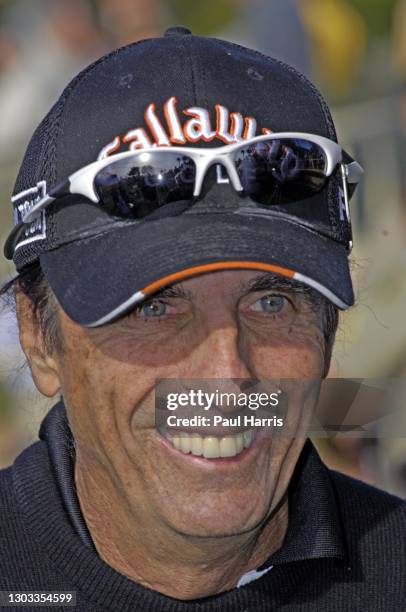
{"points": [[227, 127]]}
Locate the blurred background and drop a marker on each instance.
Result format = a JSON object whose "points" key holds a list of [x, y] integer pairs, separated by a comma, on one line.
{"points": [[354, 50]]}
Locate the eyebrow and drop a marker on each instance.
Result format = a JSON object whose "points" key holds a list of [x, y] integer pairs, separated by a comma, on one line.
{"points": [[269, 280], [275, 282], [171, 291]]}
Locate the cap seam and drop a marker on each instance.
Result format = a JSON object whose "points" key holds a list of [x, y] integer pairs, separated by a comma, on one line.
{"points": [[107, 229], [183, 43], [116, 227], [188, 51], [202, 72]]}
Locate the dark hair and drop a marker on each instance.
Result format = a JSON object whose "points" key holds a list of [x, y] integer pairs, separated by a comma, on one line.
{"points": [[32, 282]]}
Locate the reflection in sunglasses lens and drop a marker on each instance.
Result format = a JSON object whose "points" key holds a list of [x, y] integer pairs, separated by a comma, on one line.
{"points": [[284, 171], [134, 187]]}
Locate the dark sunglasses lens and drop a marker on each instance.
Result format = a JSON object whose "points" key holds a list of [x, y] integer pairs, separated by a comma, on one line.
{"points": [[281, 171], [135, 186]]}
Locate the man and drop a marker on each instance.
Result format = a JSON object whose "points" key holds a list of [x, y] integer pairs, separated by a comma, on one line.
{"points": [[182, 213]]}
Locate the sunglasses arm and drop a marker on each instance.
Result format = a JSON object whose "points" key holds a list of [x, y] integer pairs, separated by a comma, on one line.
{"points": [[60, 190], [344, 177], [351, 173]]}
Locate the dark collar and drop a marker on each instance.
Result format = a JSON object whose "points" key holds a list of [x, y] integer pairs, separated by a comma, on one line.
{"points": [[314, 526], [314, 529]]}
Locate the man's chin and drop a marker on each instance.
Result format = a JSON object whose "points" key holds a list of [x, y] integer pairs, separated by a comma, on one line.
{"points": [[206, 519], [211, 528]]}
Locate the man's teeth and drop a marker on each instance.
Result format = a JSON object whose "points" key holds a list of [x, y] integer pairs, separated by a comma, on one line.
{"points": [[212, 447]]}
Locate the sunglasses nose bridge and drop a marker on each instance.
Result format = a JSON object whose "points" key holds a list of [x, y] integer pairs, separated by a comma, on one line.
{"points": [[222, 159], [202, 164]]}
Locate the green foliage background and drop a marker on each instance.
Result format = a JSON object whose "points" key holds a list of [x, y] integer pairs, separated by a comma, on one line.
{"points": [[203, 17], [377, 14]]}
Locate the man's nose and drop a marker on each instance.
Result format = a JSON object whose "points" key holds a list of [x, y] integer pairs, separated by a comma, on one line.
{"points": [[220, 355]]}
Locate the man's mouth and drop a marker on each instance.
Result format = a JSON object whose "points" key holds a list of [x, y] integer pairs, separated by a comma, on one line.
{"points": [[211, 447]]}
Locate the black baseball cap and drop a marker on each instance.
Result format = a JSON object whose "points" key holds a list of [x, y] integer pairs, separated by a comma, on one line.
{"points": [[179, 89]]}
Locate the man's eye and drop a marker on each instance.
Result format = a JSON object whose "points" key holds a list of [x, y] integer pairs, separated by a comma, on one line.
{"points": [[153, 308], [271, 304]]}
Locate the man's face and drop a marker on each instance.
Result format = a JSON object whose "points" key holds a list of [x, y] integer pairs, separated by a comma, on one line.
{"points": [[223, 325]]}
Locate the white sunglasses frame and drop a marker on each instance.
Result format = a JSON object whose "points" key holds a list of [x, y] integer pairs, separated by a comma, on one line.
{"points": [[81, 182]]}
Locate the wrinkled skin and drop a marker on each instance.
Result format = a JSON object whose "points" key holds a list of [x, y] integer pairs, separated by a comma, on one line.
{"points": [[183, 527]]}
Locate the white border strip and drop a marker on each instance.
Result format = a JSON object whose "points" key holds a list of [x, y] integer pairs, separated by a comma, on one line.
{"points": [[321, 289], [134, 299]]}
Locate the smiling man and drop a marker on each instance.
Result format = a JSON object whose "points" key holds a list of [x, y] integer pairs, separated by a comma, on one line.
{"points": [[182, 213]]}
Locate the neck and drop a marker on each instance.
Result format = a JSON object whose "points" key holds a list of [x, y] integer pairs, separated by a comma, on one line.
{"points": [[138, 544]]}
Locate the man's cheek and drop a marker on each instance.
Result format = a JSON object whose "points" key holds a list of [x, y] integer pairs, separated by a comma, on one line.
{"points": [[151, 352], [85, 378], [298, 357]]}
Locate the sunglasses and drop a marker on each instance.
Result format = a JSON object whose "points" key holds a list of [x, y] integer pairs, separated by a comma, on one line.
{"points": [[272, 170]]}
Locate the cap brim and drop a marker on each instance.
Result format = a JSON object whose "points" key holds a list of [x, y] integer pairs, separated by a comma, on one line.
{"points": [[98, 279]]}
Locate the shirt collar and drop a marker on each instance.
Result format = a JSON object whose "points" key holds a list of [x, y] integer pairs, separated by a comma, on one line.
{"points": [[314, 527]]}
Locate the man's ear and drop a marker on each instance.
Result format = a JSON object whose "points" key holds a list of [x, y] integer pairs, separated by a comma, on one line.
{"points": [[43, 365]]}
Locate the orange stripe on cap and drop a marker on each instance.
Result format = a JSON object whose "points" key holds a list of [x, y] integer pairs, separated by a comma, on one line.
{"points": [[218, 265]]}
